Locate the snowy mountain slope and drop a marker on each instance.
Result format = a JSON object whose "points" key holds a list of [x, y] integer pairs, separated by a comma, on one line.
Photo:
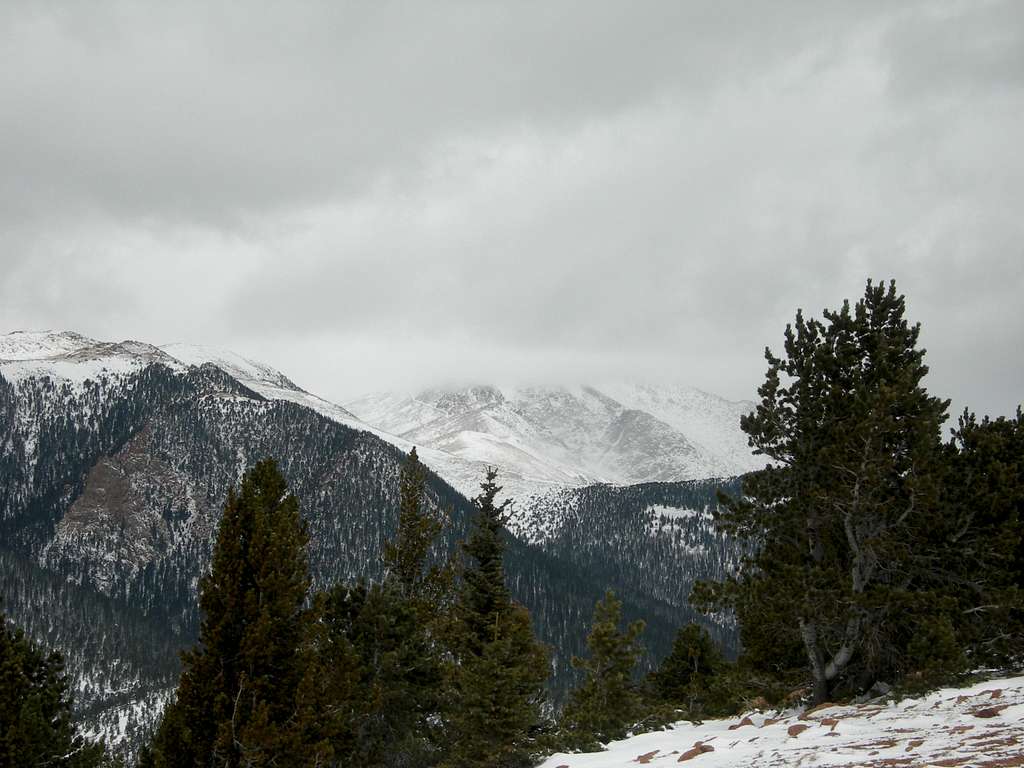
{"points": [[979, 725], [710, 421], [545, 438], [542, 439], [251, 373], [394, 413], [68, 357], [464, 473]]}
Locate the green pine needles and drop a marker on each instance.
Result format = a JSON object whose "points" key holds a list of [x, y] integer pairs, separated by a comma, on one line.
{"points": [[36, 725], [608, 703], [414, 671], [498, 668], [237, 702], [871, 559]]}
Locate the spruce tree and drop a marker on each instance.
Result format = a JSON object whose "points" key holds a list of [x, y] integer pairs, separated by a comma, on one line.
{"points": [[378, 647], [688, 674], [36, 726], [406, 558], [237, 700], [382, 678], [499, 668], [609, 700], [984, 566], [841, 520]]}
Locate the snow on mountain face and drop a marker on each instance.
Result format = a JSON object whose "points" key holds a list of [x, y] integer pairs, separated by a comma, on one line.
{"points": [[246, 371], [261, 378], [709, 421], [542, 439], [975, 726], [73, 358], [545, 437]]}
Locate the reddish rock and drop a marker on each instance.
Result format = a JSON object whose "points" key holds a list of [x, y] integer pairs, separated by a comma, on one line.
{"points": [[796, 730], [989, 711], [741, 723], [646, 756], [698, 749]]}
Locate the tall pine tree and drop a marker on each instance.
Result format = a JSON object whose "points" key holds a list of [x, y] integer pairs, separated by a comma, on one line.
{"points": [[238, 701], [841, 519], [687, 677], [379, 653], [499, 669], [407, 557], [608, 701], [984, 567]]}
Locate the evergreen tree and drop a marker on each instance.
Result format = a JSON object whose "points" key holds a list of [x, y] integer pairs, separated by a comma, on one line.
{"points": [[381, 678], [609, 700], [984, 567], [499, 668], [842, 518], [378, 648], [406, 558], [36, 726], [238, 698], [687, 675]]}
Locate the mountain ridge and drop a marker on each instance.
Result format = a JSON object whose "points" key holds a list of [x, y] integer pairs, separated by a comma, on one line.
{"points": [[573, 435], [543, 438]]}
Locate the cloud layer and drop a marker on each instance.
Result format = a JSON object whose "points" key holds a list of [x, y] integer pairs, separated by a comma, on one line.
{"points": [[389, 195]]}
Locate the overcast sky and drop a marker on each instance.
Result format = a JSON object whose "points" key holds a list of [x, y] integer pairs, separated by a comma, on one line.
{"points": [[387, 195]]}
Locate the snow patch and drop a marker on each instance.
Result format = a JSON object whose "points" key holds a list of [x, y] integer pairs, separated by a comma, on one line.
{"points": [[981, 724]]}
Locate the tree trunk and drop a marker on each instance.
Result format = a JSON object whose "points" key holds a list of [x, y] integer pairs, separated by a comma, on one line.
{"points": [[809, 633]]}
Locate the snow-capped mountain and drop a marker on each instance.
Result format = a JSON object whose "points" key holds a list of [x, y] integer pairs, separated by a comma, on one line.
{"points": [[115, 458], [545, 438], [542, 439]]}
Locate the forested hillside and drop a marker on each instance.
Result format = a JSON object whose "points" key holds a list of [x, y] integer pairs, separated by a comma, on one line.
{"points": [[113, 486]]}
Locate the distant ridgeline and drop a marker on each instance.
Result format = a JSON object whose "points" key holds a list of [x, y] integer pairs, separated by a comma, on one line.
{"points": [[111, 488]]}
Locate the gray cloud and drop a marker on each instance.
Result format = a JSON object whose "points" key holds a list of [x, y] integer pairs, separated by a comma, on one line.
{"points": [[391, 194]]}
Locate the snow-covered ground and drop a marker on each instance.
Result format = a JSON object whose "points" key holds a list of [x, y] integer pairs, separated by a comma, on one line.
{"points": [[981, 726]]}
